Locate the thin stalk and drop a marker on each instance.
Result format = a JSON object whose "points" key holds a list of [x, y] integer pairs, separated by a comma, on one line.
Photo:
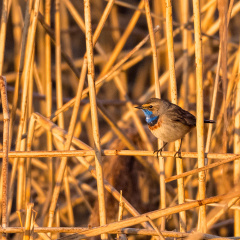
{"points": [[58, 63], [4, 175], [67, 43], [60, 100], [30, 91], [4, 19], [21, 173], [94, 116], [209, 166], [120, 216], [215, 214], [68, 198], [27, 231], [17, 31], [156, 229], [223, 32], [186, 43], [28, 56], [173, 84], [115, 23], [32, 122], [236, 176], [48, 92], [58, 219], [21, 65], [158, 95], [200, 124], [107, 152]]}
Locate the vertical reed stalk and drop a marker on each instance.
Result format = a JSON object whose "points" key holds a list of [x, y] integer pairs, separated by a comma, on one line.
{"points": [[213, 106], [158, 95], [223, 9], [200, 123], [3, 30], [32, 122], [17, 31], [21, 66], [68, 198], [30, 90], [237, 150], [58, 219], [21, 173], [171, 59], [58, 63], [40, 54], [67, 44], [60, 99], [185, 45], [48, 92], [94, 116], [28, 222], [115, 23], [120, 217], [4, 175], [28, 58]]}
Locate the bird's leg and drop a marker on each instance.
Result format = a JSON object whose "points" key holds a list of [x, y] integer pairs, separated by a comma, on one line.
{"points": [[160, 149], [179, 150]]}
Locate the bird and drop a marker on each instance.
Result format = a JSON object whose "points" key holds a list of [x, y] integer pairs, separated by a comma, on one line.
{"points": [[167, 121]]}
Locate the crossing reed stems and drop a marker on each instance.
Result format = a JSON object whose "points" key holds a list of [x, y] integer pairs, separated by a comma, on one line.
{"points": [[56, 168], [153, 215]]}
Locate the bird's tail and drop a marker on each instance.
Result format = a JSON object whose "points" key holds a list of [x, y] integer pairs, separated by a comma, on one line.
{"points": [[209, 121]]}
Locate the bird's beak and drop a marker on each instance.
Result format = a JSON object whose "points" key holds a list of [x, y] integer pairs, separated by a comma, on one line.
{"points": [[139, 107]]}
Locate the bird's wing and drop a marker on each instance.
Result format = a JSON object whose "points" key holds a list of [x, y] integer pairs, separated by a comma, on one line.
{"points": [[177, 114]]}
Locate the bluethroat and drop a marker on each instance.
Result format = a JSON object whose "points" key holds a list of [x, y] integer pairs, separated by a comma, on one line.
{"points": [[167, 121]]}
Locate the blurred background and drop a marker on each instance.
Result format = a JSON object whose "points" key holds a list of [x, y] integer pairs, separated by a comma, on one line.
{"points": [[45, 75]]}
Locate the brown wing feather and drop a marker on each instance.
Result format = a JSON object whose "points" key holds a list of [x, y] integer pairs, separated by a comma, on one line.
{"points": [[176, 113]]}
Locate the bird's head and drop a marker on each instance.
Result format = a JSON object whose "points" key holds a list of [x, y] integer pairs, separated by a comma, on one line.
{"points": [[152, 109]]}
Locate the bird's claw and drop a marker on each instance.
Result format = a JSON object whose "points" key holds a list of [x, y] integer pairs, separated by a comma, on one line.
{"points": [[159, 152], [178, 153]]}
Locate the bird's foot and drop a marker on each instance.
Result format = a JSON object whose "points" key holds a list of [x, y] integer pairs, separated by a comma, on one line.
{"points": [[178, 153], [159, 152]]}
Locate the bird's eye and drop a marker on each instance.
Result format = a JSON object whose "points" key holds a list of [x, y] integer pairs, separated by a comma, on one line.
{"points": [[150, 106]]}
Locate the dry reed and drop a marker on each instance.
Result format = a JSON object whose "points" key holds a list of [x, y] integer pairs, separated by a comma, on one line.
{"points": [[74, 72]]}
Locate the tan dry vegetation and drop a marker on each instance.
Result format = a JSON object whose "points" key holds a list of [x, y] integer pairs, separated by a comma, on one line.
{"points": [[77, 158]]}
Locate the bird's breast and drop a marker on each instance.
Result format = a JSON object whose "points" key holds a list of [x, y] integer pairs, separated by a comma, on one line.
{"points": [[168, 131], [155, 126]]}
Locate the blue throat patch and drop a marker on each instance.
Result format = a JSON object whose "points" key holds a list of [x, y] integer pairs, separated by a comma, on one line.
{"points": [[150, 118]]}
